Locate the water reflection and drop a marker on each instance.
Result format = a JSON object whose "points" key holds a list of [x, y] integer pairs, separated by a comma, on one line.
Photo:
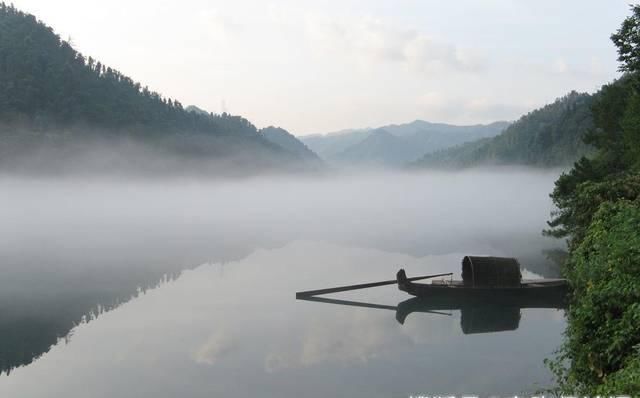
{"points": [[47, 292], [498, 315], [72, 251], [204, 334]]}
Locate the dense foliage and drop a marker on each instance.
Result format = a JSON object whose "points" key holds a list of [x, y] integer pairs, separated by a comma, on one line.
{"points": [[45, 80], [599, 211], [61, 111], [547, 137], [603, 336]]}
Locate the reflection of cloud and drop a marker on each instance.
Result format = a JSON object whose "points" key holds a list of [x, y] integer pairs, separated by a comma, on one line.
{"points": [[358, 336], [376, 41], [361, 339], [217, 346], [350, 337], [432, 329], [275, 362]]}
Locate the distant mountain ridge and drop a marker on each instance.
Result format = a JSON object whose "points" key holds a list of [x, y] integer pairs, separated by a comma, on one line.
{"points": [[397, 144], [330, 144], [379, 148]]}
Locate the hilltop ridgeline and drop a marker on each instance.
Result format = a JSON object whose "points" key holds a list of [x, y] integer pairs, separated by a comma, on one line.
{"points": [[61, 111]]}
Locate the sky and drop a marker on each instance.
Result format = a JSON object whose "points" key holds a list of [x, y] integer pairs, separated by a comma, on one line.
{"points": [[322, 66]]}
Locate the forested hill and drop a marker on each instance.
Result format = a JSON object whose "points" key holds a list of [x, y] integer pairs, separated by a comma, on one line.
{"points": [[53, 99], [289, 142], [547, 137], [396, 144]]}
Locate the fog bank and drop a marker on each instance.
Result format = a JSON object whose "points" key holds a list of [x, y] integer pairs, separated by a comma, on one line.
{"points": [[479, 211]]}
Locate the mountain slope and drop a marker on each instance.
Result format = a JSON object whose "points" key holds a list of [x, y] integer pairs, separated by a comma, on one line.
{"points": [[380, 148], [413, 140], [549, 136], [331, 144], [55, 102], [287, 141]]}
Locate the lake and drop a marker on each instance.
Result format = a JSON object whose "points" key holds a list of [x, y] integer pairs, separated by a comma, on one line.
{"points": [[187, 287]]}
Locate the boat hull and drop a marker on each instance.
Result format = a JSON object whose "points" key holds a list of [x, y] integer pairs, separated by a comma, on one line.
{"points": [[527, 295], [534, 293]]}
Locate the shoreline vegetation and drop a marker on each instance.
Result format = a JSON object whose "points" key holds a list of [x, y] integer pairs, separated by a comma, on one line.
{"points": [[598, 204]]}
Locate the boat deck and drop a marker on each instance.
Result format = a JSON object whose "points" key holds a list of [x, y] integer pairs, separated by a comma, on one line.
{"points": [[525, 282]]}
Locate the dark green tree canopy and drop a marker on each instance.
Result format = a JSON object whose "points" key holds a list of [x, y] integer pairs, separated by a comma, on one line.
{"points": [[627, 39], [43, 79]]}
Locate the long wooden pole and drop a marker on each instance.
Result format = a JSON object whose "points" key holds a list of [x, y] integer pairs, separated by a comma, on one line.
{"points": [[361, 304], [310, 293]]}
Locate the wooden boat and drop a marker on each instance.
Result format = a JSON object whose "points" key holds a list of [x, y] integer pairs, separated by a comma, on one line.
{"points": [[490, 279], [489, 297]]}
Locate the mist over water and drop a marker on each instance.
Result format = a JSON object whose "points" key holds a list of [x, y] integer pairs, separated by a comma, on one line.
{"points": [[78, 246], [435, 212]]}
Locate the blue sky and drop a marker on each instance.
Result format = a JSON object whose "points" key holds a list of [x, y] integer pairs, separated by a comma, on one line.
{"points": [[319, 66]]}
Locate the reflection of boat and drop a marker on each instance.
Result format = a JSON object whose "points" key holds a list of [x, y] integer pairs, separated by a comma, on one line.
{"points": [[498, 312], [477, 316], [496, 279], [474, 317]]}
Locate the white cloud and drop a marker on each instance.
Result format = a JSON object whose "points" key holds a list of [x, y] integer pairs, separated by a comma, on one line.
{"points": [[442, 106], [377, 41], [432, 100], [560, 66]]}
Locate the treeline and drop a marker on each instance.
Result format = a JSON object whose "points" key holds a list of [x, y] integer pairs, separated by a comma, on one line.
{"points": [[43, 79], [61, 112], [598, 203], [547, 137]]}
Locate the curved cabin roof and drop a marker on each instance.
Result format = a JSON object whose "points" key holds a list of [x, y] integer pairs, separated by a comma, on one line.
{"points": [[491, 271]]}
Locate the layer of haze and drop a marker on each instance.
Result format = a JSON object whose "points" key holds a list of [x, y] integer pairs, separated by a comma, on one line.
{"points": [[318, 66], [481, 212]]}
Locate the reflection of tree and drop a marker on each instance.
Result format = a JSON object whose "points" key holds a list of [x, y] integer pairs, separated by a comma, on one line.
{"points": [[29, 329], [39, 305]]}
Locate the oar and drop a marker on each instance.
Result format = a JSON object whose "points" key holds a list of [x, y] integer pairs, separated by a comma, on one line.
{"points": [[309, 293], [364, 305], [349, 303]]}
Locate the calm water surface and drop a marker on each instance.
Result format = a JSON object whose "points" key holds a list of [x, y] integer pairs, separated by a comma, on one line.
{"points": [[115, 304]]}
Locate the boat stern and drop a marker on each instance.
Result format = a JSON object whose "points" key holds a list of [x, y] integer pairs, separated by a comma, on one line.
{"points": [[403, 282]]}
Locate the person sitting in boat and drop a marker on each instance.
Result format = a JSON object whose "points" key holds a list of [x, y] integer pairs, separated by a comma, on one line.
{"points": [[401, 277]]}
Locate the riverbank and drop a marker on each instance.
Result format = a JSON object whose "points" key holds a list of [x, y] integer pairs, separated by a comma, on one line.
{"points": [[598, 205]]}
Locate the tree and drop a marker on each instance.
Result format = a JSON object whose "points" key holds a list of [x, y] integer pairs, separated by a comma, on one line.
{"points": [[627, 39]]}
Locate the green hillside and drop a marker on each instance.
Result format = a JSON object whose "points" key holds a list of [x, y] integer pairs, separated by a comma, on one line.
{"points": [[547, 137], [55, 102]]}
